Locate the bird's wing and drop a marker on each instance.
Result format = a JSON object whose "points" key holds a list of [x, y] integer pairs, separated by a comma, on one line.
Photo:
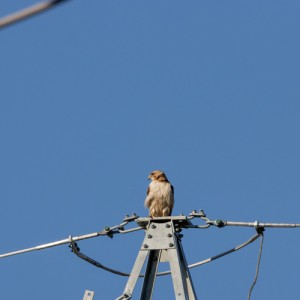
{"points": [[149, 197]]}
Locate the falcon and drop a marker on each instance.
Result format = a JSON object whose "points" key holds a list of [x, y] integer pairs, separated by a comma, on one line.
{"points": [[160, 195]]}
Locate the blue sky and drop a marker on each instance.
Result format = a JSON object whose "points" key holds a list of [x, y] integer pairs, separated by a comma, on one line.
{"points": [[97, 94]]}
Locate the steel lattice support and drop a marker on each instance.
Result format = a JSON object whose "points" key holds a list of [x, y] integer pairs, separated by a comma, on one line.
{"points": [[161, 244]]}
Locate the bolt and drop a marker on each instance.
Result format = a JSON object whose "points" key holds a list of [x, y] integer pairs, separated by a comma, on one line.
{"points": [[169, 235], [153, 226], [149, 236], [168, 225], [202, 213], [146, 246], [171, 245]]}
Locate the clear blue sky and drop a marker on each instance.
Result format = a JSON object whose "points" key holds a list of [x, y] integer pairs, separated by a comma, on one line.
{"points": [[96, 94]]}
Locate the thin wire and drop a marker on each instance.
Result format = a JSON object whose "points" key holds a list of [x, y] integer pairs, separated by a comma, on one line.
{"points": [[28, 12], [108, 231], [93, 262], [208, 260], [257, 266], [101, 266]]}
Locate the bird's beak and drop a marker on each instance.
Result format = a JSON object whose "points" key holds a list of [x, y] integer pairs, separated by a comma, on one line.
{"points": [[149, 177]]}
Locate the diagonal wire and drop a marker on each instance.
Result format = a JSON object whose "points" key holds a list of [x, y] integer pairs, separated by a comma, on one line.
{"points": [[77, 252], [28, 12], [257, 266]]}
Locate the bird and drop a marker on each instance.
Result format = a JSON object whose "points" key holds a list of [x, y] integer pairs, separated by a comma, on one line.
{"points": [[160, 195]]}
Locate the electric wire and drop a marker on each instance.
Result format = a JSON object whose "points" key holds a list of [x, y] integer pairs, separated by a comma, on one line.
{"points": [[239, 247], [77, 252], [119, 229], [257, 265], [108, 231], [28, 12]]}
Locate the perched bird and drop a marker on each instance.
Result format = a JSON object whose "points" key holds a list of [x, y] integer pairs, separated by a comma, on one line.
{"points": [[160, 195]]}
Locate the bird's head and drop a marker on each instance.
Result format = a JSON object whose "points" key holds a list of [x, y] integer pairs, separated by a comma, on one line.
{"points": [[158, 175]]}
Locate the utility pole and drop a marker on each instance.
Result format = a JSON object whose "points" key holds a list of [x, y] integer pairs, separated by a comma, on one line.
{"points": [[162, 243]]}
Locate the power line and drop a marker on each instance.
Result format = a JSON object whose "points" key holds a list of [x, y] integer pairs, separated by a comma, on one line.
{"points": [[76, 250], [108, 231], [28, 12], [258, 265], [163, 242]]}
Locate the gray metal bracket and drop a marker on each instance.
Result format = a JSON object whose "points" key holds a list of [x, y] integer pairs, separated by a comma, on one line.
{"points": [[161, 244], [88, 295]]}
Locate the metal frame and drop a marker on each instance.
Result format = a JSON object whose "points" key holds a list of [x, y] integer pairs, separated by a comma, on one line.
{"points": [[162, 243]]}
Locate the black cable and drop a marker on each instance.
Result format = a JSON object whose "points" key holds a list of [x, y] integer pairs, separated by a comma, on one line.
{"points": [[77, 252], [257, 266]]}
